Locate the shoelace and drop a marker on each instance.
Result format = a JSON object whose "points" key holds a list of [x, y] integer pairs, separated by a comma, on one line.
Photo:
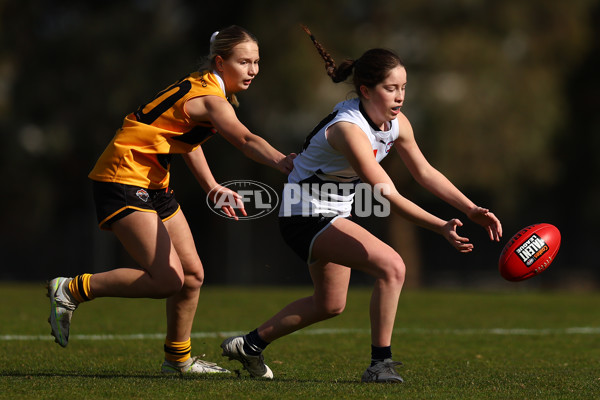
{"points": [[390, 366], [68, 306], [197, 360], [63, 300]]}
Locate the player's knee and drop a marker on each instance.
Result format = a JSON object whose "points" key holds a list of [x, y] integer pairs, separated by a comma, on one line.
{"points": [[393, 269], [334, 310], [195, 281], [331, 309], [194, 276]]}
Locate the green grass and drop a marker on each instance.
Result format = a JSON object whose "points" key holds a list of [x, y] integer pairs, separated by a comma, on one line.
{"points": [[447, 340]]}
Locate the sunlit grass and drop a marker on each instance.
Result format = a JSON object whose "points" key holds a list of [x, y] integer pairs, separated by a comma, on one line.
{"points": [[454, 345]]}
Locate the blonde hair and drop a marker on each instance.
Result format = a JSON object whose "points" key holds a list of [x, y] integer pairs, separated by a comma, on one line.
{"points": [[222, 43]]}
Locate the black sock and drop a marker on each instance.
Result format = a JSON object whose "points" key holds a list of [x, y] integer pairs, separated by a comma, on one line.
{"points": [[380, 353], [253, 344]]}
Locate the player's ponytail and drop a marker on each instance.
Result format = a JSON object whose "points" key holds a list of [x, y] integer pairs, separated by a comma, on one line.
{"points": [[368, 70], [337, 73]]}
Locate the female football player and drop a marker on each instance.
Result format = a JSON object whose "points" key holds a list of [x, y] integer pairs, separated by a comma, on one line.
{"points": [[134, 200], [344, 148]]}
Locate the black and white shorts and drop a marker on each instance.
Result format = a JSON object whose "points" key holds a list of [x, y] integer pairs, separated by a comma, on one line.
{"points": [[299, 232], [117, 200]]}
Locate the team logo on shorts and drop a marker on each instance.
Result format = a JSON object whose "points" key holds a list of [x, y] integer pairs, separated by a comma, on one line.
{"points": [[142, 195]]}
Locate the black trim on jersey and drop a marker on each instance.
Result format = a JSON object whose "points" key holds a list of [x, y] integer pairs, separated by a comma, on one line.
{"points": [[183, 87], [366, 116], [313, 179], [164, 160], [317, 128], [320, 172], [196, 135]]}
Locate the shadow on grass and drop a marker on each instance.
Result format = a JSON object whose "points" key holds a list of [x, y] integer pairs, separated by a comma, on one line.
{"points": [[202, 377]]}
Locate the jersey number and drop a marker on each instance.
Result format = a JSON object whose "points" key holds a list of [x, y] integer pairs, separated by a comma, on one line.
{"points": [[183, 87]]}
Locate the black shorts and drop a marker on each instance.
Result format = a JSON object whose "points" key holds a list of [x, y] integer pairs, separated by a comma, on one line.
{"points": [[116, 200], [300, 232]]}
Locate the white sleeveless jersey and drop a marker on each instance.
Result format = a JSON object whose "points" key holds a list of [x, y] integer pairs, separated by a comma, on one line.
{"points": [[322, 181]]}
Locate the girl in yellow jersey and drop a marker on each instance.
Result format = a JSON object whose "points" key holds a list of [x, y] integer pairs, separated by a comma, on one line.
{"points": [[134, 201]]}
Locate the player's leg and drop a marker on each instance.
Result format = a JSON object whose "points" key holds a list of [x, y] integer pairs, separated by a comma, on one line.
{"points": [[342, 243], [328, 300], [160, 274], [181, 307], [347, 243], [145, 237]]}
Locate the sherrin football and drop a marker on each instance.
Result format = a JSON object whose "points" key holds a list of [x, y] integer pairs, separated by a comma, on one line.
{"points": [[529, 252]]}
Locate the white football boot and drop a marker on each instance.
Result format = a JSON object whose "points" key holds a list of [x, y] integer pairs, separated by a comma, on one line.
{"points": [[192, 366], [383, 371], [233, 348], [62, 305]]}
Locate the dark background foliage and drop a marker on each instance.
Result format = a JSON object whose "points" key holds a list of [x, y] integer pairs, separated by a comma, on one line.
{"points": [[503, 97]]}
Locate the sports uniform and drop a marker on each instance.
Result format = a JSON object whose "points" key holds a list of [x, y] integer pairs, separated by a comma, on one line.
{"points": [[320, 188], [133, 171]]}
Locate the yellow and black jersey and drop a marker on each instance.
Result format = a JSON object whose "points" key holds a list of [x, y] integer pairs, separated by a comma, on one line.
{"points": [[140, 152]]}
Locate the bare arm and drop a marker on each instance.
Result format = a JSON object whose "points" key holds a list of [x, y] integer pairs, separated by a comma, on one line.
{"points": [[222, 115], [196, 162], [352, 142], [435, 182]]}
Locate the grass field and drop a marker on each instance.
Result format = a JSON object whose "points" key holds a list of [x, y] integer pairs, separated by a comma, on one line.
{"points": [[454, 345]]}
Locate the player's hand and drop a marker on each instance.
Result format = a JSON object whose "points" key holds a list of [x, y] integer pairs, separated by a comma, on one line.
{"points": [[229, 201], [460, 243], [286, 164], [488, 221]]}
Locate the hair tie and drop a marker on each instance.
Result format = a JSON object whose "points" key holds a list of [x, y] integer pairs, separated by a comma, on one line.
{"points": [[213, 37]]}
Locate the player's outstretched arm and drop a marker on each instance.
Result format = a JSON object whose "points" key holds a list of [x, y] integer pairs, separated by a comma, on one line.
{"points": [[223, 117], [349, 140], [435, 182]]}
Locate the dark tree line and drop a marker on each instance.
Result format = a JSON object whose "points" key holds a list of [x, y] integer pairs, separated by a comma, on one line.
{"points": [[503, 97]]}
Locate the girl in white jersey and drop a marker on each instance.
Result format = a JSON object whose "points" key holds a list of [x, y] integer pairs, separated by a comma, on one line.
{"points": [[344, 148]]}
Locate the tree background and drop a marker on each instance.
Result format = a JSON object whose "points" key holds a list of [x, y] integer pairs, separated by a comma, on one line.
{"points": [[502, 95]]}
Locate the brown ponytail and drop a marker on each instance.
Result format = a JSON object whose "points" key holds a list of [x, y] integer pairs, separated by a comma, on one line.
{"points": [[368, 70], [337, 74]]}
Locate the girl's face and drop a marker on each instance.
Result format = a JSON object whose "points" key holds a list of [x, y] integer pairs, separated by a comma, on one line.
{"points": [[240, 68], [384, 101]]}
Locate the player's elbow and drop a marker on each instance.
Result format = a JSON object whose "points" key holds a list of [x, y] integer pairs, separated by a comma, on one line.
{"points": [[427, 177]]}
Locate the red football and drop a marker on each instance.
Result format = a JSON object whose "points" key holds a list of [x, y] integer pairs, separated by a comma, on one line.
{"points": [[529, 252]]}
